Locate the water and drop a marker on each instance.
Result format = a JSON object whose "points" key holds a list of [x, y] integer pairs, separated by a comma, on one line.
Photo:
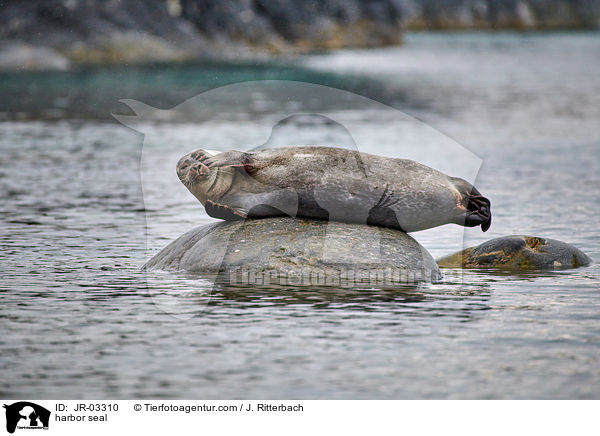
{"points": [[80, 321]]}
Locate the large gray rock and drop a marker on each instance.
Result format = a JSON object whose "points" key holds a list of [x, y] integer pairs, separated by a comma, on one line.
{"points": [[518, 252], [299, 252]]}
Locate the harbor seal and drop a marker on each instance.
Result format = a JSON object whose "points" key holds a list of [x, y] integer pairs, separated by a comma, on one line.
{"points": [[518, 252], [331, 184]]}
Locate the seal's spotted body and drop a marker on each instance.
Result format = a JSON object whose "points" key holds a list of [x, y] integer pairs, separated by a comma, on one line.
{"points": [[331, 183]]}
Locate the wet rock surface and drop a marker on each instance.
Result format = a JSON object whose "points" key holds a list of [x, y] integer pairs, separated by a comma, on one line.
{"points": [[299, 247], [518, 252]]}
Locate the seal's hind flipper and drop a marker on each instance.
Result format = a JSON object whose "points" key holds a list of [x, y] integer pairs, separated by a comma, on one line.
{"points": [[222, 212], [478, 211]]}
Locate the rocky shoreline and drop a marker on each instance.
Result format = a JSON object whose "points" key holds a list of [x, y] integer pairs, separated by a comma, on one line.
{"points": [[60, 34]]}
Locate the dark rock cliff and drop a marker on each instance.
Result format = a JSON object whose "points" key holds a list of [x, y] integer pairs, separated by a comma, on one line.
{"points": [[55, 33]]}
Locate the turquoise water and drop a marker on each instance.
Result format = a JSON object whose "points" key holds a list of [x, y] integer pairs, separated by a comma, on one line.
{"points": [[95, 93], [81, 321]]}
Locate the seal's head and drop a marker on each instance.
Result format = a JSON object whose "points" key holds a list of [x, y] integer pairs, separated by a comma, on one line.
{"points": [[474, 208], [203, 180]]}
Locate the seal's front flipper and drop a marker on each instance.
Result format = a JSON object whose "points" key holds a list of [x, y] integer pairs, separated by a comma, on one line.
{"points": [[223, 212], [383, 213], [385, 217]]}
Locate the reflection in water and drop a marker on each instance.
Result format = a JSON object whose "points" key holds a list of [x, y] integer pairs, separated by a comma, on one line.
{"points": [[223, 294]]}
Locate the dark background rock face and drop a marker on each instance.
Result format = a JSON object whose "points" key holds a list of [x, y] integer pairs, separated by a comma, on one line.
{"points": [[96, 31], [62, 21], [92, 31]]}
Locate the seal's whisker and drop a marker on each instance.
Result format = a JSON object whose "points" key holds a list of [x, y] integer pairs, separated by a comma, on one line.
{"points": [[217, 178], [194, 179]]}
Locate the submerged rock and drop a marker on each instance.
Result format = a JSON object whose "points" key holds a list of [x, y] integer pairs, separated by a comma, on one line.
{"points": [[300, 251], [518, 252]]}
